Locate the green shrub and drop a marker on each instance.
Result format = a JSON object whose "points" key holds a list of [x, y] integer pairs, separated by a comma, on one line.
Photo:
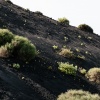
{"points": [[23, 48], [78, 95], [5, 36], [66, 53], [63, 21], [18, 41], [85, 28], [94, 75], [27, 52], [67, 68]]}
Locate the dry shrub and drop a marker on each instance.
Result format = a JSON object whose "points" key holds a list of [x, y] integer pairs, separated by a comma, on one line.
{"points": [[94, 75], [66, 53], [78, 95], [82, 71], [6, 50]]}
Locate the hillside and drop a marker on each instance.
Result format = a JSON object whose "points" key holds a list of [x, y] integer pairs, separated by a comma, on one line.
{"points": [[40, 82]]}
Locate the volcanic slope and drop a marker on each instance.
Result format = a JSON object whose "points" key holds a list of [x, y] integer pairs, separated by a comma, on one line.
{"points": [[36, 80]]}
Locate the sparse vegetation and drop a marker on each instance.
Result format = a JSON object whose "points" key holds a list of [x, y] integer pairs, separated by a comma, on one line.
{"points": [[55, 47], [77, 50], [66, 53], [16, 65], [78, 95], [5, 36], [65, 38], [81, 57], [82, 71], [79, 37], [86, 52], [90, 38], [94, 75], [85, 28], [82, 44], [63, 21], [64, 46], [67, 68], [58, 65], [50, 67]]}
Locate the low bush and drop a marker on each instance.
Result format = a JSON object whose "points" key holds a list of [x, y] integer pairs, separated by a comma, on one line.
{"points": [[94, 75], [67, 68], [5, 36], [85, 28], [63, 21], [55, 47], [16, 65], [82, 71], [78, 95], [23, 48], [18, 41], [27, 52], [66, 53], [81, 57]]}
